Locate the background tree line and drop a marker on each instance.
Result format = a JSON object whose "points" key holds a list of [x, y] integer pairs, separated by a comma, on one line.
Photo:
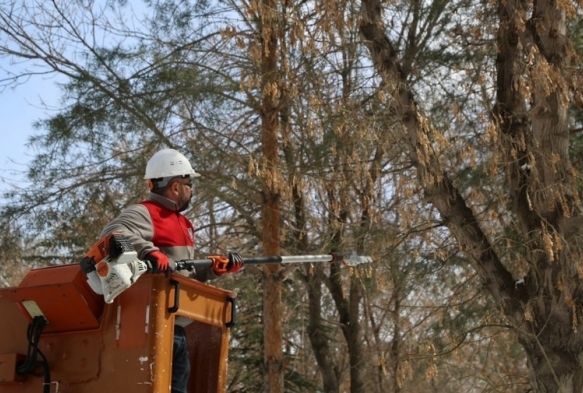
{"points": [[440, 137]]}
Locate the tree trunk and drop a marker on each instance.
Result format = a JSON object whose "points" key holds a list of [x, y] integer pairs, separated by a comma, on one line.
{"points": [[348, 306], [317, 332], [553, 366], [272, 274]]}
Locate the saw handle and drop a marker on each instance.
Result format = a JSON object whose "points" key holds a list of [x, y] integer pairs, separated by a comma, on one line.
{"points": [[220, 264], [232, 264]]}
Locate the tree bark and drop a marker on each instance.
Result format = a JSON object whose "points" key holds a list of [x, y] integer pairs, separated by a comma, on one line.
{"points": [[348, 306], [317, 332], [272, 274]]}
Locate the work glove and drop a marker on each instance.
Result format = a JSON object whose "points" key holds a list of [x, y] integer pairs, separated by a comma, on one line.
{"points": [[231, 264], [158, 261]]}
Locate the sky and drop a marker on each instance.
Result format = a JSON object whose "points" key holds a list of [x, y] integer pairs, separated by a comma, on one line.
{"points": [[22, 106], [19, 109]]}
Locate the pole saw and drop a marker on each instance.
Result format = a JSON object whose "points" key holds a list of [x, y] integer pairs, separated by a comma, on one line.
{"points": [[112, 264]]}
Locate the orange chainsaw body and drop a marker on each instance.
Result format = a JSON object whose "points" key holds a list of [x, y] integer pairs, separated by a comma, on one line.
{"points": [[125, 346]]}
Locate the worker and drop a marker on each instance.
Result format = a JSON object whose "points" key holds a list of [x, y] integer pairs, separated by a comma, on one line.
{"points": [[160, 233]]}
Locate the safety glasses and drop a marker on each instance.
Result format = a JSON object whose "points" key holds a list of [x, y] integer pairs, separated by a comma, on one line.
{"points": [[188, 184]]}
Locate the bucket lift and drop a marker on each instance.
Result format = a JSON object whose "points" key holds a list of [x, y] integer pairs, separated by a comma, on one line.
{"points": [[126, 346]]}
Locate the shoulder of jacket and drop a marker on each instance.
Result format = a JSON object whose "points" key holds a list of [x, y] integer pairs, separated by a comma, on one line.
{"points": [[136, 208]]}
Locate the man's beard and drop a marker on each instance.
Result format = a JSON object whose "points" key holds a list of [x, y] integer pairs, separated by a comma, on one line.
{"points": [[184, 206]]}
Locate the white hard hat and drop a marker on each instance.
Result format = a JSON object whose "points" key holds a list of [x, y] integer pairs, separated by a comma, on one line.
{"points": [[168, 163]]}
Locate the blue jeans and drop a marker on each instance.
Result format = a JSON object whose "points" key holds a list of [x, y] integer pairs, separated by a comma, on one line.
{"points": [[180, 362]]}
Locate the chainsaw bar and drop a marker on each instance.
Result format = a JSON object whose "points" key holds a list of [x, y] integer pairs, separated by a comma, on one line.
{"points": [[348, 259]]}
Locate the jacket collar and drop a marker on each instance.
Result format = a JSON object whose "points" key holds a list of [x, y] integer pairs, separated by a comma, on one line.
{"points": [[165, 202]]}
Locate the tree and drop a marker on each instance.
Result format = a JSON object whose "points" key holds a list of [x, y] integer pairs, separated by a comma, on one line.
{"points": [[268, 31], [529, 125], [304, 148]]}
